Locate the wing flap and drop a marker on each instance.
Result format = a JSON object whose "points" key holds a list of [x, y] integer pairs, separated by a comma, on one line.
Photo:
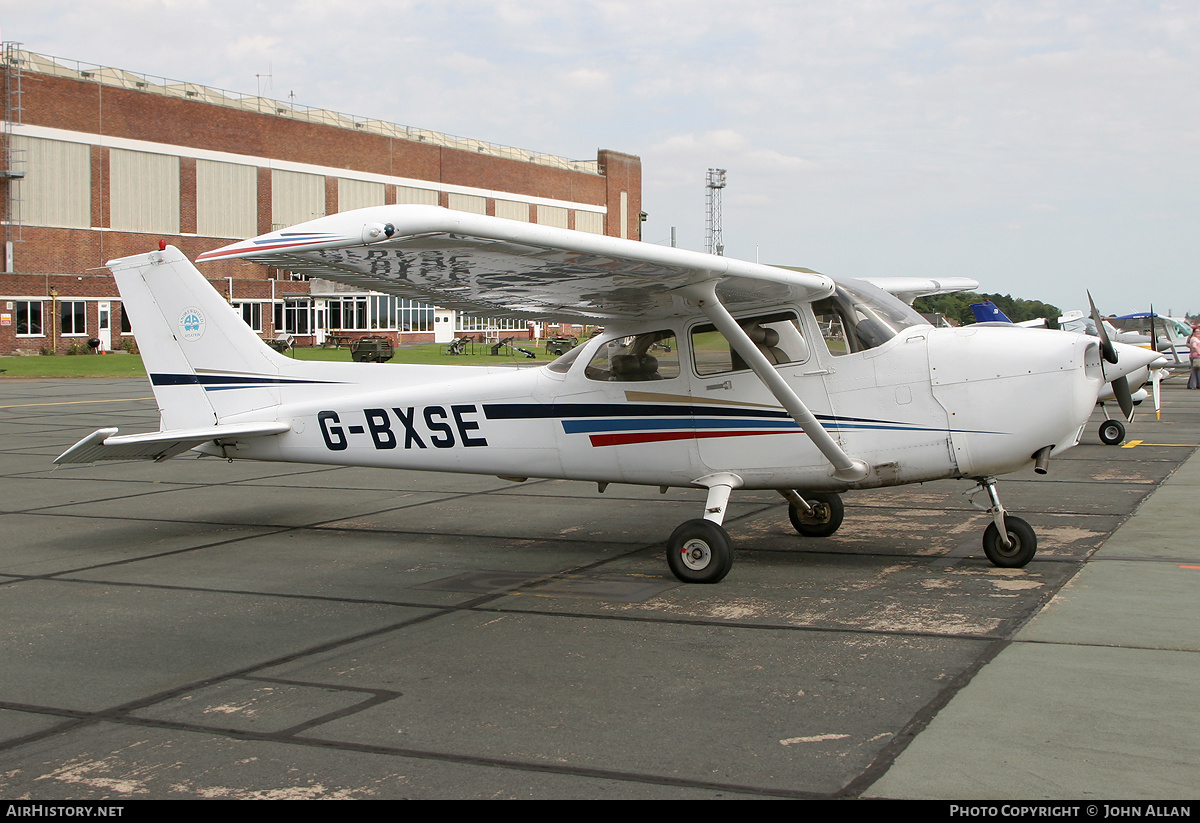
{"points": [[104, 444]]}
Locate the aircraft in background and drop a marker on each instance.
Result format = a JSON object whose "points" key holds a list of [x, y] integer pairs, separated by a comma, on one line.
{"points": [[1175, 332], [711, 373], [1081, 322], [989, 312], [1126, 389]]}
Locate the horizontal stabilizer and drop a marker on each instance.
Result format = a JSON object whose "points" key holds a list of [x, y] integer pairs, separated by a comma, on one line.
{"points": [[105, 445]]}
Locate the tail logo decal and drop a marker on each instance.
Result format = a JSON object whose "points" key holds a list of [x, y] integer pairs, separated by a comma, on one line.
{"points": [[191, 323]]}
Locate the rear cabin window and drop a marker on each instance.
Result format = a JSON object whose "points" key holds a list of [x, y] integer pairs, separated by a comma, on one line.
{"points": [[777, 336], [650, 356]]}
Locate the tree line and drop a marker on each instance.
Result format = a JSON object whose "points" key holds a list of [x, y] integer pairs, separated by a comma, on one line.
{"points": [[957, 306]]}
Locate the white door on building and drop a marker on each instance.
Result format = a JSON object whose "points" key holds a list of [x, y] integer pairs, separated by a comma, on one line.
{"points": [[443, 325], [104, 325], [321, 324]]}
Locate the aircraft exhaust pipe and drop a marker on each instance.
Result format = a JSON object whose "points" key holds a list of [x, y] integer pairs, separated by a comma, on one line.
{"points": [[1041, 459]]}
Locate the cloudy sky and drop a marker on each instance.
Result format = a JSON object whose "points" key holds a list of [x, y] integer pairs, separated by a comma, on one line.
{"points": [[1041, 147]]}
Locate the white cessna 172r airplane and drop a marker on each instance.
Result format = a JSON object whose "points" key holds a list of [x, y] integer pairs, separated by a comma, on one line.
{"points": [[711, 373]]}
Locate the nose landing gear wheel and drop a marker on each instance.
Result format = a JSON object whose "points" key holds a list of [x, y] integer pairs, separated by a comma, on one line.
{"points": [[1112, 432], [826, 518], [699, 551], [1020, 535]]}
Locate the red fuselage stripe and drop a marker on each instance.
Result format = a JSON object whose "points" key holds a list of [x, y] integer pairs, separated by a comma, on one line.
{"points": [[660, 437]]}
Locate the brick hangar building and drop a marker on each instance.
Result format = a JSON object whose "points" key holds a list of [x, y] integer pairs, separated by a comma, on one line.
{"points": [[98, 163]]}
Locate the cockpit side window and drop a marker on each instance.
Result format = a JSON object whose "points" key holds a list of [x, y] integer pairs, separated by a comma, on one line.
{"points": [[859, 317], [649, 356], [563, 364], [777, 336]]}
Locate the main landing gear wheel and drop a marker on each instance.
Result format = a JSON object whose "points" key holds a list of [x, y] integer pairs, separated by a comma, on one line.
{"points": [[1112, 432], [826, 518], [699, 551], [1020, 535]]}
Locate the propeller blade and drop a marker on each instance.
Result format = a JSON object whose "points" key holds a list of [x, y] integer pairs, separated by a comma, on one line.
{"points": [[1156, 383], [1106, 346], [1124, 397]]}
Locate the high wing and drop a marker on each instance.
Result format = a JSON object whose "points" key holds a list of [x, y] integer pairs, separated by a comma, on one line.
{"points": [[909, 289], [506, 268]]}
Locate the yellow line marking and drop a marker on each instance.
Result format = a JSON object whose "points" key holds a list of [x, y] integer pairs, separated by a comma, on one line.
{"points": [[1133, 443], [75, 402]]}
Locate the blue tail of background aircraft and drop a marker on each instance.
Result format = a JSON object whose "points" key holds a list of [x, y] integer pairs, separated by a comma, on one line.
{"points": [[988, 312]]}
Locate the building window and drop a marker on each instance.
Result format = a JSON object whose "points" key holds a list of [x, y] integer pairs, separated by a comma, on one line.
{"points": [[379, 312], [297, 317], [251, 313], [348, 315], [414, 316], [473, 323], [73, 314], [383, 312], [29, 318]]}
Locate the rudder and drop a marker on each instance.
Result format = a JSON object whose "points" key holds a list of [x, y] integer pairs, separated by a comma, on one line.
{"points": [[192, 342]]}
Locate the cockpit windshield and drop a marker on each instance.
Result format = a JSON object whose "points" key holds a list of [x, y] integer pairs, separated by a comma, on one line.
{"points": [[860, 316]]}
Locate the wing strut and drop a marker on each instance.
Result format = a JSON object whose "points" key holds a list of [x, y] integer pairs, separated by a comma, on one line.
{"points": [[705, 296]]}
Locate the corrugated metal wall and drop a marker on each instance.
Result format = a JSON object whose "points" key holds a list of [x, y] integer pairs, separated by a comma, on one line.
{"points": [[512, 210], [468, 202], [552, 216], [406, 195], [143, 191], [358, 194], [589, 221], [226, 199], [57, 189], [296, 198]]}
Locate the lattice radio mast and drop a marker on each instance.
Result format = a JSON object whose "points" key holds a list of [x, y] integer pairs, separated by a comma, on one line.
{"points": [[11, 160], [714, 238]]}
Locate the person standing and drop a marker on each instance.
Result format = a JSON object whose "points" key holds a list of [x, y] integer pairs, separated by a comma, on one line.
{"points": [[1193, 343]]}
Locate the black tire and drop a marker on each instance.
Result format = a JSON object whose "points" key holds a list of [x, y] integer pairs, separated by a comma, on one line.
{"points": [[1022, 550], [826, 518], [1112, 432], [699, 551]]}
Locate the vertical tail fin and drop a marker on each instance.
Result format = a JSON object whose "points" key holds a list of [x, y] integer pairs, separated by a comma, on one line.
{"points": [[988, 312], [193, 343]]}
